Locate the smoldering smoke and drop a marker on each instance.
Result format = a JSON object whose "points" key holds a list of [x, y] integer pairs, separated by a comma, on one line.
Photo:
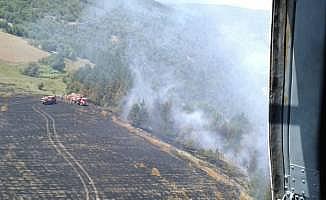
{"points": [[192, 56]]}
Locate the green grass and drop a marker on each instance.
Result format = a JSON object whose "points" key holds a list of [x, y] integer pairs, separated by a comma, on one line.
{"points": [[12, 81], [49, 73]]}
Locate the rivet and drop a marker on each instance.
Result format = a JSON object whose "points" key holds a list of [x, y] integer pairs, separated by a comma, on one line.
{"points": [[303, 181], [302, 170]]}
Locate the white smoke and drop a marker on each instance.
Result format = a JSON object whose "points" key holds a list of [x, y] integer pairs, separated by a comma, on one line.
{"points": [[214, 56]]}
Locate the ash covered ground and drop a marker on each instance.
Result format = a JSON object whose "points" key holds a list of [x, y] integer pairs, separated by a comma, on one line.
{"points": [[65, 151]]}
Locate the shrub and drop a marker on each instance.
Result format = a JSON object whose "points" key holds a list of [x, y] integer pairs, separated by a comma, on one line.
{"points": [[138, 114], [3, 24], [40, 86], [55, 61], [33, 70], [48, 45], [58, 63]]}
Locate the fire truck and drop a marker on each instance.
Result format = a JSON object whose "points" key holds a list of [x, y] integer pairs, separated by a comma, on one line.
{"points": [[48, 100], [82, 101], [77, 99]]}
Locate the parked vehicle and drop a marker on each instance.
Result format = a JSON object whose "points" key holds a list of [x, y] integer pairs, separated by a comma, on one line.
{"points": [[82, 101], [77, 99], [48, 100]]}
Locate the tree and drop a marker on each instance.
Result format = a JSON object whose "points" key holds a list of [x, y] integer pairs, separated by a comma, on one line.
{"points": [[3, 24], [40, 86], [138, 114], [253, 161], [216, 121], [49, 45], [58, 63], [234, 130], [165, 119], [32, 70]]}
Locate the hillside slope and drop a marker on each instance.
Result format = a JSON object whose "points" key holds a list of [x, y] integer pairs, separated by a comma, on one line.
{"points": [[15, 55], [14, 49], [104, 159]]}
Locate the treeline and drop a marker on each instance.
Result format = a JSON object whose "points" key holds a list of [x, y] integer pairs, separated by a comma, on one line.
{"points": [[55, 61], [56, 27], [105, 85], [17, 15], [162, 120], [18, 30]]}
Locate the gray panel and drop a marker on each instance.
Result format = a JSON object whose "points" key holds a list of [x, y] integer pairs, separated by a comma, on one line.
{"points": [[306, 89]]}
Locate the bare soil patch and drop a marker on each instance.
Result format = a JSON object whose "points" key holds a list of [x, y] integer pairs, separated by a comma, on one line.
{"points": [[15, 49]]}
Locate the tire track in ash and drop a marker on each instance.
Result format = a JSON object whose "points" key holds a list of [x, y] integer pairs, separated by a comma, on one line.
{"points": [[72, 161]]}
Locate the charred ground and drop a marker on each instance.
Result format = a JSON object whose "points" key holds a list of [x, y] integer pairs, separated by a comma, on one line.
{"points": [[122, 165]]}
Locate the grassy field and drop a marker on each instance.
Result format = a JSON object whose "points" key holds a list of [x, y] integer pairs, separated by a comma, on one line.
{"points": [[15, 54], [14, 49], [12, 81]]}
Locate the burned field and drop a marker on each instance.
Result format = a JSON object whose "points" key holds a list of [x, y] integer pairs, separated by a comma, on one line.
{"points": [[66, 151]]}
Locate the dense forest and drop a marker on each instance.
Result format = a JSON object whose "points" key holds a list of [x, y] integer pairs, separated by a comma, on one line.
{"points": [[16, 14], [161, 67]]}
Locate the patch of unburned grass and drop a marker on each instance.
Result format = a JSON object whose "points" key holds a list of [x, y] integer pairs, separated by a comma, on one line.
{"points": [[245, 196], [140, 165], [4, 108], [104, 113], [13, 81], [49, 73], [155, 172]]}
